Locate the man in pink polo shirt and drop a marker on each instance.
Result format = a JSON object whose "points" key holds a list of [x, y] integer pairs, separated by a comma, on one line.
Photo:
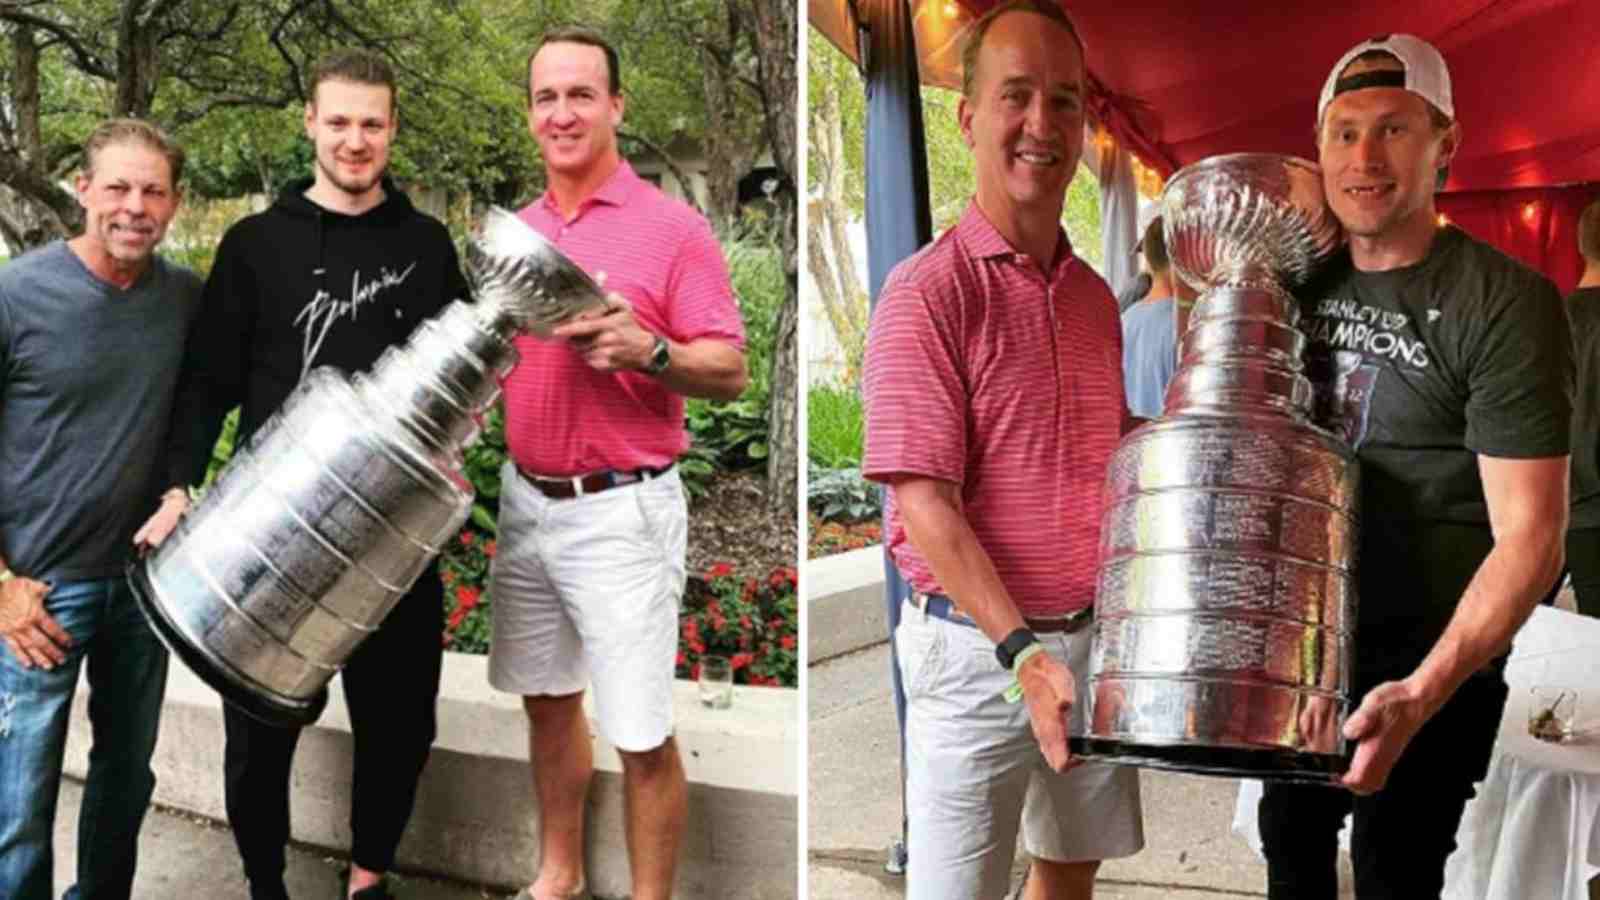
{"points": [[994, 400], [593, 522]]}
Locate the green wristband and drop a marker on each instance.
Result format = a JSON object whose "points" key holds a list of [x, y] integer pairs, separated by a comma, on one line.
{"points": [[1013, 693]]}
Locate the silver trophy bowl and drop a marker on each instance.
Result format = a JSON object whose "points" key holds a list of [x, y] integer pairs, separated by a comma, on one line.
{"points": [[1225, 602], [317, 527]]}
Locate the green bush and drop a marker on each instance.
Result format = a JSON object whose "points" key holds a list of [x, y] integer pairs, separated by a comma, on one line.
{"points": [[734, 435], [835, 432], [842, 495]]}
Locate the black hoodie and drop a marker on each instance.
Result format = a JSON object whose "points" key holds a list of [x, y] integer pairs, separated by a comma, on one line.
{"points": [[296, 287]]}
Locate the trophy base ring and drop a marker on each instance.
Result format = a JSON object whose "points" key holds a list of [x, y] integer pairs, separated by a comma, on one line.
{"points": [[1230, 762], [275, 710]]}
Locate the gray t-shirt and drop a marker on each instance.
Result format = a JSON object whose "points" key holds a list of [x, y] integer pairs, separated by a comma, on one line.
{"points": [[86, 378]]}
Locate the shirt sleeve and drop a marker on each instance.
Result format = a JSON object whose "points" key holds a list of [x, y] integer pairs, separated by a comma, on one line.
{"points": [[1521, 377], [700, 294], [914, 389]]}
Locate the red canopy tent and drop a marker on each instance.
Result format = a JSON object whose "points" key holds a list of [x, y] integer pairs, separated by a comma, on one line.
{"points": [[1176, 81]]}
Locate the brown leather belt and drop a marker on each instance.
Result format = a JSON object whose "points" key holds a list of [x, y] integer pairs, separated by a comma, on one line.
{"points": [[557, 488], [941, 607]]}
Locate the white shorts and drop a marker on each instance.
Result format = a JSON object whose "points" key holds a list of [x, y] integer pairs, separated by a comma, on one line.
{"points": [[974, 771], [586, 592]]}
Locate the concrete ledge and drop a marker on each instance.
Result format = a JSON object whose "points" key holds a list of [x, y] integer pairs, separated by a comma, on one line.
{"points": [[475, 817], [844, 603]]}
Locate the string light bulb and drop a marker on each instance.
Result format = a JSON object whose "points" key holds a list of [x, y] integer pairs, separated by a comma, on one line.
{"points": [[951, 10], [1529, 211], [1443, 220]]}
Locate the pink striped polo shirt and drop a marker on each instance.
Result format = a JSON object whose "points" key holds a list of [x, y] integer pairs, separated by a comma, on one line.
{"points": [[981, 372], [564, 418]]}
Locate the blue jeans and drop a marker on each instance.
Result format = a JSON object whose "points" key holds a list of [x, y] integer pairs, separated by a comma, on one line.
{"points": [[127, 678]]}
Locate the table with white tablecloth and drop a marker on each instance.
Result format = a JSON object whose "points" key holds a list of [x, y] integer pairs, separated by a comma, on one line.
{"points": [[1533, 830]]}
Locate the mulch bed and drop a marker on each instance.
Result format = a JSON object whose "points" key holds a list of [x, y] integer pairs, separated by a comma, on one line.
{"points": [[828, 538], [734, 523]]}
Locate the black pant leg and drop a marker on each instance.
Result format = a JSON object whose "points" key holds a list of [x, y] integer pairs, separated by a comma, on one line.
{"points": [[1300, 837], [1583, 561], [257, 759], [1404, 833], [391, 685]]}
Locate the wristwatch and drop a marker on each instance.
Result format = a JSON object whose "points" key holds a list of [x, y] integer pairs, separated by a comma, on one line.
{"points": [[660, 357], [1006, 651]]}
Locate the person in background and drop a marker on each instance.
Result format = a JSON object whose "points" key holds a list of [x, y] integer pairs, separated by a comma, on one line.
{"points": [[1583, 530], [1149, 331]]}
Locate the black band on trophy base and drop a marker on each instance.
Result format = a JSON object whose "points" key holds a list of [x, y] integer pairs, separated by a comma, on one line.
{"points": [[1266, 765], [234, 687]]}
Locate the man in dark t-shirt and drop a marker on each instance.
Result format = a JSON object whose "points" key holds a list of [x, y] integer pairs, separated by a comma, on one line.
{"points": [[91, 339], [1583, 527], [1448, 367]]}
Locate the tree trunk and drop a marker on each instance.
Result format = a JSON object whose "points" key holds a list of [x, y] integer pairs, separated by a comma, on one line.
{"points": [[138, 69], [843, 300], [775, 50], [36, 210]]}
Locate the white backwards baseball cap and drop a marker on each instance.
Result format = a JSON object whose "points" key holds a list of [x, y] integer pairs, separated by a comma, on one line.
{"points": [[1425, 73]]}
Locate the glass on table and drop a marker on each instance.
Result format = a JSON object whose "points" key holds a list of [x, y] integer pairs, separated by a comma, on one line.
{"points": [[1551, 712]]}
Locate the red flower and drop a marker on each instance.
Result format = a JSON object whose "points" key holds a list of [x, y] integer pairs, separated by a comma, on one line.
{"points": [[719, 570], [787, 642], [698, 647], [739, 661], [456, 616], [694, 671], [467, 538], [713, 608], [744, 622], [488, 549], [691, 630], [466, 598], [682, 659], [717, 622]]}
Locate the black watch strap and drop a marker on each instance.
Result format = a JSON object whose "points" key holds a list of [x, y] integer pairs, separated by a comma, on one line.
{"points": [[660, 357], [1006, 651]]}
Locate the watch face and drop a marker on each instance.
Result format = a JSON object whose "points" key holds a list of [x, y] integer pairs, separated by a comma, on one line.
{"points": [[662, 357]]}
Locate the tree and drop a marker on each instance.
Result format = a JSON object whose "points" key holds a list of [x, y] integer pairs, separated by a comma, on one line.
{"points": [[777, 74], [228, 80], [835, 127]]}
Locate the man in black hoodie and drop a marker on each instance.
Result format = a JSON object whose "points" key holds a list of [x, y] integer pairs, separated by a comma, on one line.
{"points": [[339, 269]]}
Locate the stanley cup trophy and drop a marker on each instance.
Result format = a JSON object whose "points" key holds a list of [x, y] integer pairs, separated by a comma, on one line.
{"points": [[1226, 593], [314, 530]]}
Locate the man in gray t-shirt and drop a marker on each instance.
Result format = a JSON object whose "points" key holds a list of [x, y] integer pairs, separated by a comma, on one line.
{"points": [[91, 337]]}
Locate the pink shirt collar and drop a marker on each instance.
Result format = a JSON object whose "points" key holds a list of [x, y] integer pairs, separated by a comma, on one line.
{"points": [[615, 191]]}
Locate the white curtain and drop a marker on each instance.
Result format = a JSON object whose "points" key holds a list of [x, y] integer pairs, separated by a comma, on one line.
{"points": [[1119, 208]]}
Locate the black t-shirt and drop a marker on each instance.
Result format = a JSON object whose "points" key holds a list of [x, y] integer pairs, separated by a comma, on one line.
{"points": [[1583, 307], [1422, 369]]}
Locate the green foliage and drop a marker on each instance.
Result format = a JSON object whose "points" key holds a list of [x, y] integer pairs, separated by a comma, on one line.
{"points": [[482, 467], [222, 451], [828, 70], [835, 432], [733, 435], [841, 495]]}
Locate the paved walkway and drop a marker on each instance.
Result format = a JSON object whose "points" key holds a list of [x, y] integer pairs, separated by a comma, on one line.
{"points": [[1189, 854], [183, 857]]}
